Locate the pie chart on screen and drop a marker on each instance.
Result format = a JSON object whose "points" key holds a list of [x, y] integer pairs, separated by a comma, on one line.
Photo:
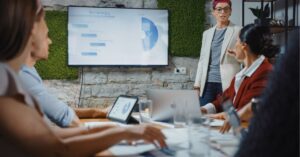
{"points": [[151, 34]]}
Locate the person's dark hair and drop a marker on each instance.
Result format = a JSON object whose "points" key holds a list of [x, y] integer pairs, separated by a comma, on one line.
{"points": [[17, 18], [259, 40]]}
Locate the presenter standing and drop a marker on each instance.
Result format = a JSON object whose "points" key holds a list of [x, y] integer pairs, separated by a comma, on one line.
{"points": [[217, 66]]}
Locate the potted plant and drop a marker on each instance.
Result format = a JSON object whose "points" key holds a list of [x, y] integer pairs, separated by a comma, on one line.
{"points": [[262, 15]]}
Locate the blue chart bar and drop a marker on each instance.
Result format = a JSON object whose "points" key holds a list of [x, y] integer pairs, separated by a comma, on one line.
{"points": [[80, 25], [89, 53], [97, 44], [89, 35]]}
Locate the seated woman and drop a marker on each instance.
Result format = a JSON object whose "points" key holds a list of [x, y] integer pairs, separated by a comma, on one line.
{"points": [[252, 48], [56, 110], [274, 128], [23, 129]]}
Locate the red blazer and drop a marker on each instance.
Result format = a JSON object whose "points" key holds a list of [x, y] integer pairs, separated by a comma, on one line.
{"points": [[249, 88]]}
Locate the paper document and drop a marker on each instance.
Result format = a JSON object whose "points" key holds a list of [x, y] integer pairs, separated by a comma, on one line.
{"points": [[217, 122]]}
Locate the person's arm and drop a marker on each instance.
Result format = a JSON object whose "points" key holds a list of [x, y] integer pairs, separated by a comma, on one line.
{"points": [[221, 116], [24, 127], [200, 64], [84, 144], [75, 122], [56, 110], [90, 112], [43, 142], [70, 132], [245, 114], [215, 106], [197, 89], [208, 109]]}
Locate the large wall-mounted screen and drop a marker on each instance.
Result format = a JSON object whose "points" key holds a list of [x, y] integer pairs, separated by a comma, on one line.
{"points": [[117, 37]]}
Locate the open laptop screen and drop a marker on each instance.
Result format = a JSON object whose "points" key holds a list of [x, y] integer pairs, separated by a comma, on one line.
{"points": [[163, 99]]}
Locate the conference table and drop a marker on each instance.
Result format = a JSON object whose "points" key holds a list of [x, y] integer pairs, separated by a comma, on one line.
{"points": [[95, 120], [227, 149]]}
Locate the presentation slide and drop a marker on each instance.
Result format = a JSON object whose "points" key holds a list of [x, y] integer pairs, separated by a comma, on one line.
{"points": [[114, 36], [122, 108]]}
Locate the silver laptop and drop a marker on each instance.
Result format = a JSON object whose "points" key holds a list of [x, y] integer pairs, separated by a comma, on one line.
{"points": [[164, 100]]}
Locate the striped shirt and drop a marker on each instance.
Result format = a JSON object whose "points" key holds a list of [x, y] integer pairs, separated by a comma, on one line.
{"points": [[214, 61]]}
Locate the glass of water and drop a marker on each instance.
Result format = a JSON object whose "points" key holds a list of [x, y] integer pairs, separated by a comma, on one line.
{"points": [[198, 134], [179, 115], [145, 110]]}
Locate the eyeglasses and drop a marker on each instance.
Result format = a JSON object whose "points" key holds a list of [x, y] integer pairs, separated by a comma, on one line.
{"points": [[225, 9]]}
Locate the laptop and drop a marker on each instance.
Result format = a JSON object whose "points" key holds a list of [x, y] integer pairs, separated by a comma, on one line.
{"points": [[164, 101]]}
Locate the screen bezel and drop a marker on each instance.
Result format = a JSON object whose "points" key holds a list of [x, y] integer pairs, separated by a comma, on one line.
{"points": [[103, 65], [130, 111]]}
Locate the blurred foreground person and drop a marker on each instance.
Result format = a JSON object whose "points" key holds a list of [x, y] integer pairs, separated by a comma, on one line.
{"points": [[23, 129]]}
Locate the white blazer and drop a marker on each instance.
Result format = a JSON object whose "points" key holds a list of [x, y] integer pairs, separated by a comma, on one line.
{"points": [[229, 66]]}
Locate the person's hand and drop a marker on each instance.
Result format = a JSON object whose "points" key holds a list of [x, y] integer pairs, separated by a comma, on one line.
{"points": [[101, 112], [107, 109], [147, 133], [221, 116], [231, 52], [197, 89], [203, 110], [245, 114], [226, 127], [97, 113]]}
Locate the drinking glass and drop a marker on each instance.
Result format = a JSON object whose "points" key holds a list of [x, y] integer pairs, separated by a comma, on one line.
{"points": [[145, 110], [180, 114], [198, 135]]}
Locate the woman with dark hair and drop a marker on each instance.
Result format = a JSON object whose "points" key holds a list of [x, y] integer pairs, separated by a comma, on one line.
{"points": [[252, 47], [23, 129], [274, 129]]}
